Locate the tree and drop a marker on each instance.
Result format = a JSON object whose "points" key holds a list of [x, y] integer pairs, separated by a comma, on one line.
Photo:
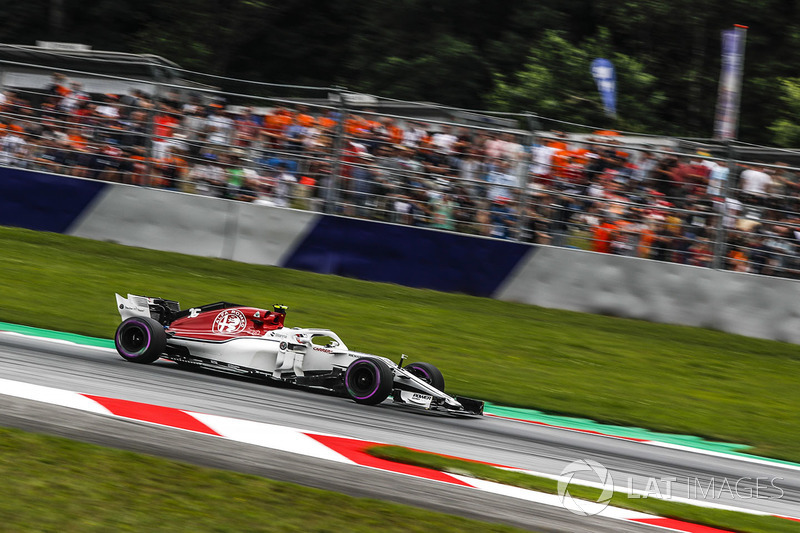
{"points": [[556, 83], [511, 55], [785, 129], [202, 35], [438, 75]]}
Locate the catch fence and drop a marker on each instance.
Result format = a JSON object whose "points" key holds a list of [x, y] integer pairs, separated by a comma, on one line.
{"points": [[513, 176]]}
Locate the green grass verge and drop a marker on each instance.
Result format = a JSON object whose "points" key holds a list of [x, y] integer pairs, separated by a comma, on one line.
{"points": [[668, 378], [55, 484], [728, 520]]}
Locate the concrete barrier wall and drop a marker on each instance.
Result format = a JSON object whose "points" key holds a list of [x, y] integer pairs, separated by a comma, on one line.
{"points": [[745, 304], [539, 275], [191, 224]]}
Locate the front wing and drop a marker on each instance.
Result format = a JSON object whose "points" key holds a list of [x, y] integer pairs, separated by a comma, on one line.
{"points": [[411, 390]]}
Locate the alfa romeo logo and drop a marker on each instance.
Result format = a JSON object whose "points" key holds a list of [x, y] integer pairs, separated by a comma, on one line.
{"points": [[229, 321], [585, 507]]}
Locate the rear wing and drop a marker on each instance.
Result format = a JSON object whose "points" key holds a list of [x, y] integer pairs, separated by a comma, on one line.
{"points": [[155, 308]]}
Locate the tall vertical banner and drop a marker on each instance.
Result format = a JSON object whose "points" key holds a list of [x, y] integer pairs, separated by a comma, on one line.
{"points": [[726, 122], [606, 80]]}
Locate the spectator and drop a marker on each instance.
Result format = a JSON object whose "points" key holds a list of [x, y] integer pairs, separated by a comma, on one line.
{"points": [[644, 169], [133, 130], [208, 177], [13, 147], [737, 259], [663, 181], [718, 178], [248, 126], [444, 208], [58, 85], [165, 122], [195, 126], [700, 253], [284, 185], [173, 169], [275, 125], [219, 128], [106, 163], [502, 218], [647, 204], [755, 184], [501, 182], [363, 183], [444, 140], [603, 235], [74, 96], [234, 173], [108, 109]]}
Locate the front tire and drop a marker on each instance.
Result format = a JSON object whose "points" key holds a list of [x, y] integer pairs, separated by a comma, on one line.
{"points": [[427, 373], [368, 381], [140, 340]]}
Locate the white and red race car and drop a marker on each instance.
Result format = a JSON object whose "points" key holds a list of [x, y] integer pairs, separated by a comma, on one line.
{"points": [[254, 341]]}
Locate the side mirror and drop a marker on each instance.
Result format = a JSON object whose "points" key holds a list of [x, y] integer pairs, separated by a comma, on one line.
{"points": [[403, 357]]}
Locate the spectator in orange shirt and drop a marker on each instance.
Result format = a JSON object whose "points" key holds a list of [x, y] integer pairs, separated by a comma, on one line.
{"points": [[275, 125], [172, 169], [303, 118], [76, 140], [356, 126], [603, 235], [327, 122], [164, 125], [738, 260], [58, 86], [135, 166]]}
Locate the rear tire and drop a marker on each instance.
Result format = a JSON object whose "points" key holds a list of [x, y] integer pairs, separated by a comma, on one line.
{"points": [[368, 381], [140, 340], [427, 373]]}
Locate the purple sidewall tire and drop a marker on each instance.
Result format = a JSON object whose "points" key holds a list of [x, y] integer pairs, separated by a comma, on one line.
{"points": [[428, 373], [376, 373], [368, 381], [123, 351], [140, 340]]}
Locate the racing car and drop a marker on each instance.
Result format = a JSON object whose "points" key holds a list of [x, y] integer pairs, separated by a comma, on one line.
{"points": [[255, 342]]}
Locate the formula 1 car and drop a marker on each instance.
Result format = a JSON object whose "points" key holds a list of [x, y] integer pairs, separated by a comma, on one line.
{"points": [[253, 341]]}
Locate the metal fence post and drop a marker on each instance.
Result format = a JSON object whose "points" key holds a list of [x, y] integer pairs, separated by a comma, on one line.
{"points": [[719, 245], [525, 172], [150, 129], [331, 198]]}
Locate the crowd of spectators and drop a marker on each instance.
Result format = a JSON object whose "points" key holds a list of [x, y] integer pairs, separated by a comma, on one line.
{"points": [[595, 193]]}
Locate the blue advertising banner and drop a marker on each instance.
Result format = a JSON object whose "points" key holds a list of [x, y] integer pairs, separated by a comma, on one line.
{"points": [[730, 83], [606, 80]]}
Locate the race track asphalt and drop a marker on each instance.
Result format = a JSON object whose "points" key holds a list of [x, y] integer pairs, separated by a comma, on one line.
{"points": [[517, 444]]}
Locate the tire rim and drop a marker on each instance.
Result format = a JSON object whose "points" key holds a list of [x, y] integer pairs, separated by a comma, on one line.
{"points": [[134, 339], [362, 382]]}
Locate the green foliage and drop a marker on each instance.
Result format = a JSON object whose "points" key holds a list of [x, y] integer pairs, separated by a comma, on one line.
{"points": [[541, 85], [786, 129], [202, 34], [410, 78], [556, 82], [518, 55]]}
